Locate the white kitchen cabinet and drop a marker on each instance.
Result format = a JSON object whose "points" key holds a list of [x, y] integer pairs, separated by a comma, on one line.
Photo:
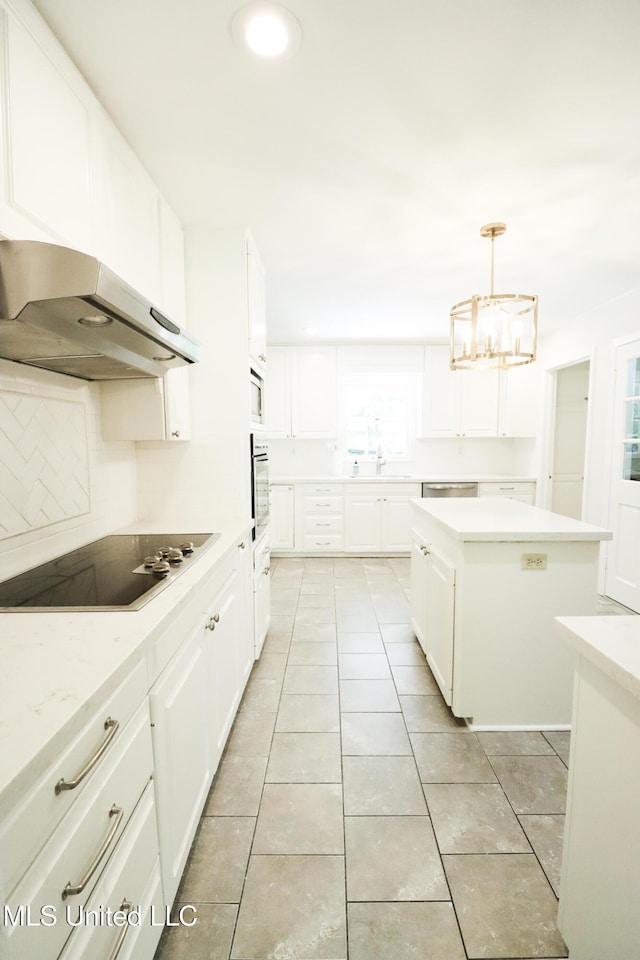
{"points": [[131, 881], [519, 401], [67, 868], [438, 640], [301, 393], [419, 554], [261, 593], [522, 490], [460, 403], [319, 517], [378, 517], [246, 638], [172, 282], [129, 233], [256, 305], [508, 669], [600, 882], [46, 185], [147, 409], [180, 704], [224, 658], [281, 516]]}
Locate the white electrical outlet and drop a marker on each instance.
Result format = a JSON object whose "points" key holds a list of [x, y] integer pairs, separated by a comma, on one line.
{"points": [[534, 561]]}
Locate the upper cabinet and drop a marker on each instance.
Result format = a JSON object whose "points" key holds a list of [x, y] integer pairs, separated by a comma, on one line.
{"points": [[457, 403], [46, 142], [128, 221], [477, 403], [69, 176], [301, 393], [256, 306]]}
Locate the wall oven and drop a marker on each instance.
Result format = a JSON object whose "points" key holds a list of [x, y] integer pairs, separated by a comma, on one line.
{"points": [[257, 399], [259, 485]]}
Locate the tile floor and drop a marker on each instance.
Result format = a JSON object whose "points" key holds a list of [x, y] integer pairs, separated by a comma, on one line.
{"points": [[352, 816]]}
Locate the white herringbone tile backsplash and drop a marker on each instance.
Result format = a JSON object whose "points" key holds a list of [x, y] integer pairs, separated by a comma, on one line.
{"points": [[44, 470]]}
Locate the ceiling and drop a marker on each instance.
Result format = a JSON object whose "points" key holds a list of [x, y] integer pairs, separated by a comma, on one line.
{"points": [[366, 163]]}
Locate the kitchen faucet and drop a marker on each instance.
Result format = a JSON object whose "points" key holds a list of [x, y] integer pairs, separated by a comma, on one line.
{"points": [[380, 461]]}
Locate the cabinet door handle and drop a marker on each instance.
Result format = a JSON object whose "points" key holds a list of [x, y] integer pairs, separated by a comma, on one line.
{"points": [[507, 488], [262, 357], [211, 625], [425, 550], [126, 908], [72, 889], [323, 543], [112, 727], [266, 571], [175, 433], [323, 504], [323, 524], [241, 545]]}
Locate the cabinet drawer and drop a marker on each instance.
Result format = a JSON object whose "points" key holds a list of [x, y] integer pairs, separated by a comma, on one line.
{"points": [[315, 489], [507, 489], [85, 839], [328, 541], [321, 524], [132, 877], [320, 504], [25, 830]]}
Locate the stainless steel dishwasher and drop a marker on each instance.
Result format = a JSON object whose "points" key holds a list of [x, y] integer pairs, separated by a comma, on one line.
{"points": [[450, 489]]}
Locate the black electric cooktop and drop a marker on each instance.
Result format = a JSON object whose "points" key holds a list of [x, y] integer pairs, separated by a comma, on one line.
{"points": [[108, 574]]}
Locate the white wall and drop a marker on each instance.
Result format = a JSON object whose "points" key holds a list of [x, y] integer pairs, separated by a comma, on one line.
{"points": [[592, 336], [432, 457], [62, 486], [210, 474]]}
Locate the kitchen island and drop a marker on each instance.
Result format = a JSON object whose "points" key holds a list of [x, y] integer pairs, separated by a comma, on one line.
{"points": [[488, 576], [600, 882]]}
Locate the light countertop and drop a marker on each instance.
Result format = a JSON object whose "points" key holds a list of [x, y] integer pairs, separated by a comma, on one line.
{"points": [[499, 519], [611, 643], [56, 666], [400, 478]]}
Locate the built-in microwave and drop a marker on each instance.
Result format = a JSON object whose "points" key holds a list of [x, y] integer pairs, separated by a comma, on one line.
{"points": [[257, 399]]}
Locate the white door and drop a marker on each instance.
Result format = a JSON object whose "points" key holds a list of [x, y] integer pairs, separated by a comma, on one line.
{"points": [[362, 522], [439, 622], [623, 564], [570, 437], [419, 559], [396, 523]]}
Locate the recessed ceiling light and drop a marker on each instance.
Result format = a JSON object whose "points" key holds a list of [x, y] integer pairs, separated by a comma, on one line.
{"points": [[266, 29]]}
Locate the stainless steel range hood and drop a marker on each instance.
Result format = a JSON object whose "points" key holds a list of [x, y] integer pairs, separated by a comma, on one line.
{"points": [[65, 311]]}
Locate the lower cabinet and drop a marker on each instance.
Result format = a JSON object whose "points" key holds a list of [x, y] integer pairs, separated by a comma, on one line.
{"points": [[131, 886], [522, 490], [193, 704], [180, 705], [432, 610], [261, 594], [377, 517], [439, 621], [281, 516]]}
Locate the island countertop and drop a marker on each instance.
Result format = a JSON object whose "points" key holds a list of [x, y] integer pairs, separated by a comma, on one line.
{"points": [[499, 519], [611, 643]]}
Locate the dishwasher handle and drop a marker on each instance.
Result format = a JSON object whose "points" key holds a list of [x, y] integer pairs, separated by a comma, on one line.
{"points": [[463, 489]]}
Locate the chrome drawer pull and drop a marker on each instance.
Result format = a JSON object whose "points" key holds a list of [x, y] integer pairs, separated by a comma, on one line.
{"points": [[72, 889], [126, 907], [112, 727]]}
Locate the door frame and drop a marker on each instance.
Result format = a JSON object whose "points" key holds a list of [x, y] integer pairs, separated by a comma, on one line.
{"points": [[550, 400]]}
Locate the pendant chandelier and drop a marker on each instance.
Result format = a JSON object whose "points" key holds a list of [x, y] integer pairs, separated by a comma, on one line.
{"points": [[498, 330]]}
